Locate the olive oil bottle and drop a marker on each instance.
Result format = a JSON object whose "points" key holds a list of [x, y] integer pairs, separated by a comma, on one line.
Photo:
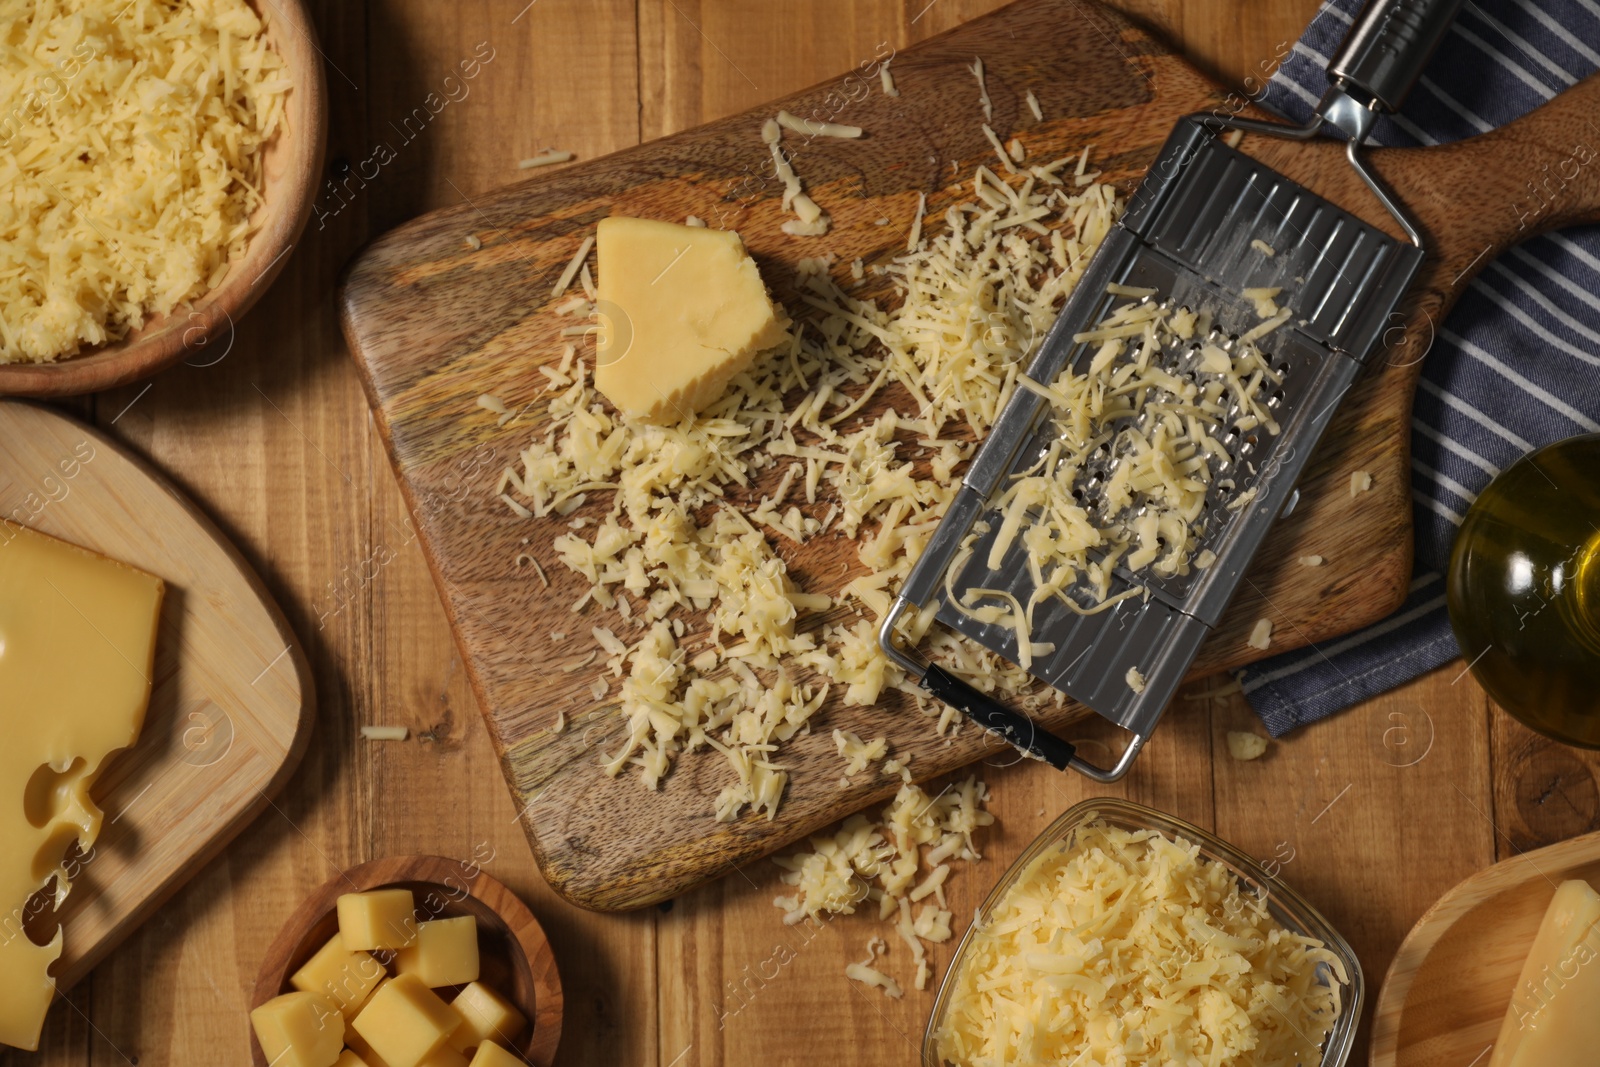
{"points": [[1524, 590]]}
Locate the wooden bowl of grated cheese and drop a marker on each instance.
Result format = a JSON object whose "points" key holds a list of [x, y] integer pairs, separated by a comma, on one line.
{"points": [[1125, 932], [139, 236]]}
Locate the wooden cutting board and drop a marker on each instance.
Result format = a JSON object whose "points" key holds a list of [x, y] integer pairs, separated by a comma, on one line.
{"points": [[434, 323], [232, 702], [1450, 984]]}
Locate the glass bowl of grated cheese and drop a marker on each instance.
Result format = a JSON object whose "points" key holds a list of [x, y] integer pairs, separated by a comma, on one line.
{"points": [[1124, 935]]}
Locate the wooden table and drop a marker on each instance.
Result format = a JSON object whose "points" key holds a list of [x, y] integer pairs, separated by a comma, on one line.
{"points": [[1371, 815]]}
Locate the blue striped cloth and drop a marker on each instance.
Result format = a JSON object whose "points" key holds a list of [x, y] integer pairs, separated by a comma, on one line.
{"points": [[1516, 364]]}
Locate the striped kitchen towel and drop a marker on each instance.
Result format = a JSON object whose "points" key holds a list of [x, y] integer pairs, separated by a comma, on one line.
{"points": [[1516, 364]]}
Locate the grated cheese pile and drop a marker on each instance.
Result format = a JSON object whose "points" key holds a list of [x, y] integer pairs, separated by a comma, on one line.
{"points": [[1128, 948], [683, 532], [131, 137], [898, 861], [1165, 408]]}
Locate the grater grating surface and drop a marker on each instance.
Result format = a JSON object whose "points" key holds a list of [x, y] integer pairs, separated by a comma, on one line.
{"points": [[1192, 233]]}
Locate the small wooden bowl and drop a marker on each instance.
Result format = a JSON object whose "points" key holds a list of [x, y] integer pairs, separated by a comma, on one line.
{"points": [[517, 961], [291, 171]]}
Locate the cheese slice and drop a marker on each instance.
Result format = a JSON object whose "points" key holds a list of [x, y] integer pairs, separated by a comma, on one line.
{"points": [[682, 311], [1552, 1020], [77, 647]]}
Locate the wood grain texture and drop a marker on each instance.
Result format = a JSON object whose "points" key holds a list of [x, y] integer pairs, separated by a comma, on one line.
{"points": [[515, 957], [434, 324], [291, 166], [1447, 992], [276, 443], [231, 703]]}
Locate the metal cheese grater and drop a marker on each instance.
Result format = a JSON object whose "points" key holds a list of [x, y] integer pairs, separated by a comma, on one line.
{"points": [[1192, 232]]}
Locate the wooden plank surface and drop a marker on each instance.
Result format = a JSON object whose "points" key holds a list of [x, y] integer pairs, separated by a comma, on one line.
{"points": [[275, 442]]}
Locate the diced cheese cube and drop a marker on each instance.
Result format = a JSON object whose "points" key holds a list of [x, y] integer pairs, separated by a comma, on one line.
{"points": [[359, 1046], [492, 1055], [682, 311], [345, 977], [445, 952], [349, 1058], [485, 1016], [445, 1056], [380, 919], [405, 1022], [299, 1030]]}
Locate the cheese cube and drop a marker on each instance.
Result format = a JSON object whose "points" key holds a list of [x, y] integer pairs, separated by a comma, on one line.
{"points": [[299, 1030], [349, 1058], [485, 1016], [445, 952], [359, 1046], [380, 919], [682, 311], [492, 1055], [444, 1056], [344, 977], [405, 1022]]}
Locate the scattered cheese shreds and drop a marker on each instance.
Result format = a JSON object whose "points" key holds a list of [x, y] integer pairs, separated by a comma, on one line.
{"points": [[385, 733], [1261, 635], [1312, 561], [1129, 948], [983, 90], [545, 159], [132, 162], [813, 128], [672, 527], [1360, 482], [1244, 745], [887, 79], [1033, 106]]}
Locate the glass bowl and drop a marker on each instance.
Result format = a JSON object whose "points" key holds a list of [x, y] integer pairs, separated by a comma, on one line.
{"points": [[1285, 906]]}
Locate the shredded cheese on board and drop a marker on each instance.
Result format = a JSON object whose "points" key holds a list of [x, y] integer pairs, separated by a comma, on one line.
{"points": [[681, 532], [130, 158], [1129, 948]]}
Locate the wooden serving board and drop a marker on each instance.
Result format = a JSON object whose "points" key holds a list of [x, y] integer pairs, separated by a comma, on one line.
{"points": [[433, 324], [232, 701], [1450, 984]]}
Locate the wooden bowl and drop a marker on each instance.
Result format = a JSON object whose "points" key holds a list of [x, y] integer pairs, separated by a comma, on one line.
{"points": [[517, 961], [291, 171], [1450, 984]]}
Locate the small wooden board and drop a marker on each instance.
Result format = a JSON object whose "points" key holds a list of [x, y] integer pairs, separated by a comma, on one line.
{"points": [[1448, 989], [232, 702], [434, 323]]}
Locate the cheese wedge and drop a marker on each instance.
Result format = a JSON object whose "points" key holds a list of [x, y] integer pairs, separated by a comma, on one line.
{"points": [[1552, 1020], [77, 651], [682, 311]]}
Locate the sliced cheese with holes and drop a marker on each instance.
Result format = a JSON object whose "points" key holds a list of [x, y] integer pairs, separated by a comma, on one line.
{"points": [[1552, 1021], [682, 311], [77, 644]]}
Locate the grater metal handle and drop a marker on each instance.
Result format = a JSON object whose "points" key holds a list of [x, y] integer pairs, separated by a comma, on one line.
{"points": [[1389, 45], [989, 713]]}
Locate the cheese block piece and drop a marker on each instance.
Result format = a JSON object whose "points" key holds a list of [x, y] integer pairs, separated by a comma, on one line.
{"points": [[445, 952], [77, 651], [380, 919], [405, 1022], [344, 977], [1554, 1017], [349, 1058], [299, 1030], [492, 1055], [682, 310], [485, 1016], [444, 1056]]}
